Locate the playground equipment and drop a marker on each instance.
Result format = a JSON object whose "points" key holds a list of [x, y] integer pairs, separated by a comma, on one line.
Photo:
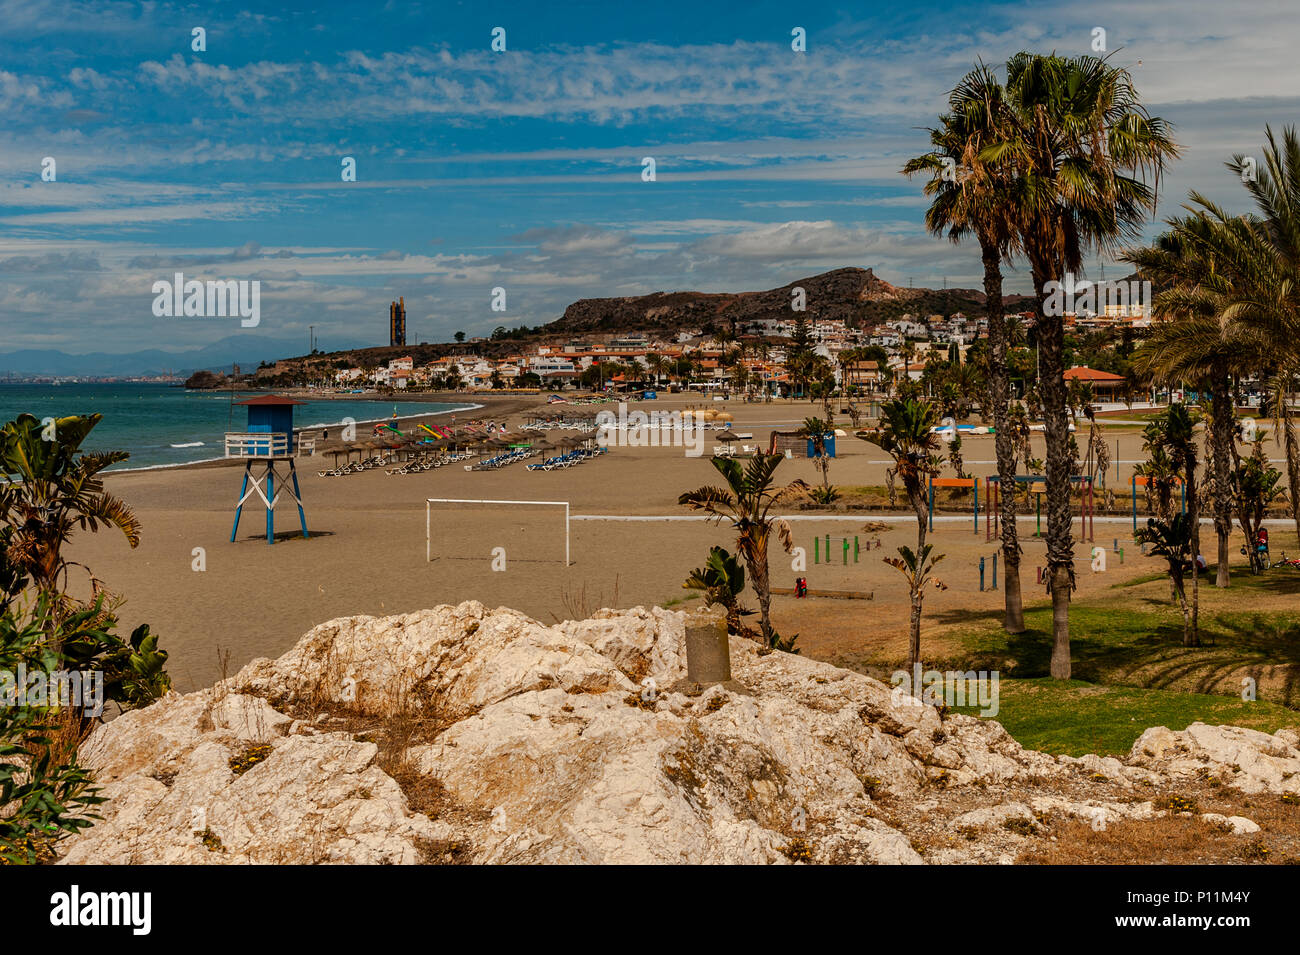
{"points": [[817, 549], [972, 483], [1145, 482], [994, 585], [992, 512]]}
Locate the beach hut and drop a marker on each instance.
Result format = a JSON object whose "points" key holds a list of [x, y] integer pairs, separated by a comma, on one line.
{"points": [[268, 439]]}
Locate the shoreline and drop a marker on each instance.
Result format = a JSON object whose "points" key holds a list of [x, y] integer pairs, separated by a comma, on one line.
{"points": [[498, 404]]}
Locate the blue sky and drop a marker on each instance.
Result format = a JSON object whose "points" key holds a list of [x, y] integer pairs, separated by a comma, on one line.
{"points": [[522, 169]]}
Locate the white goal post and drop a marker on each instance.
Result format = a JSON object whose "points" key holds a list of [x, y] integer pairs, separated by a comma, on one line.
{"points": [[428, 523]]}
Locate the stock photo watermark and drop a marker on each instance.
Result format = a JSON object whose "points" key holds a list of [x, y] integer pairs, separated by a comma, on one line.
{"points": [[63, 688], [210, 299], [948, 688], [657, 429]]}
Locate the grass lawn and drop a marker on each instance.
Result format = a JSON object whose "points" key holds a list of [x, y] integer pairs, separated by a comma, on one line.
{"points": [[1072, 717], [1131, 635]]}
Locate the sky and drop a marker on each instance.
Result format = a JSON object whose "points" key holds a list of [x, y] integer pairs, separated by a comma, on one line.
{"points": [[522, 169]]}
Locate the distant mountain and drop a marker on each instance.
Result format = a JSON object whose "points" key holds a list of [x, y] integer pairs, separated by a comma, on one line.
{"points": [[245, 350], [850, 294]]}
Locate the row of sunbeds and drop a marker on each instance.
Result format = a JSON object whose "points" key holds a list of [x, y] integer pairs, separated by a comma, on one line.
{"points": [[430, 461], [355, 467], [501, 460], [568, 460]]}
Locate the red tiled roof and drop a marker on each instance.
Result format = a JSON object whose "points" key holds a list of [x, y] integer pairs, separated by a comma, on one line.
{"points": [[1083, 373]]}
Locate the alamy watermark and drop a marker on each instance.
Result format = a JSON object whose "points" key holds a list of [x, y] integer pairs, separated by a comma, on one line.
{"points": [[1071, 297], [64, 688], [211, 299], [654, 430], [950, 688]]}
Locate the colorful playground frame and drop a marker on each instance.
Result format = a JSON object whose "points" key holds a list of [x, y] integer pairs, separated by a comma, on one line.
{"points": [[1144, 482], [992, 510], [972, 483]]}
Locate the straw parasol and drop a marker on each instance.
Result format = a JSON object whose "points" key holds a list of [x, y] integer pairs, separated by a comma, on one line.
{"points": [[727, 436]]}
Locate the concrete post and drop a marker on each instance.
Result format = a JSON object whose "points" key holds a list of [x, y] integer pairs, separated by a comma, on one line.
{"points": [[708, 659]]}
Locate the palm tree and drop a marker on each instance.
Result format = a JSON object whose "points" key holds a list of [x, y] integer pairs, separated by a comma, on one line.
{"points": [[1242, 271], [974, 196], [1197, 344], [1082, 146], [917, 568], [816, 429], [52, 489], [1180, 437], [740, 377], [1172, 540], [747, 501], [905, 435], [656, 364]]}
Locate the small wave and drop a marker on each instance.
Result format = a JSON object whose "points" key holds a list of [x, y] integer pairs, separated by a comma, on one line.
{"points": [[190, 444]]}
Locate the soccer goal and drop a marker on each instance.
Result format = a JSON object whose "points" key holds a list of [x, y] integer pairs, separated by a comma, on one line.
{"points": [[467, 522]]}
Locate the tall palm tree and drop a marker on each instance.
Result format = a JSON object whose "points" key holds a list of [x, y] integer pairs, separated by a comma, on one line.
{"points": [[1083, 147], [816, 429], [1197, 343], [747, 501], [905, 434], [1180, 434]]}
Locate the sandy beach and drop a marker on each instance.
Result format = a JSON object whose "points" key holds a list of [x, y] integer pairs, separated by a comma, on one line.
{"points": [[631, 544]]}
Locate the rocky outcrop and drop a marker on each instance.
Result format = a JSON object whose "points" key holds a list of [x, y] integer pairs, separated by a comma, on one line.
{"points": [[467, 734], [203, 380], [1244, 759]]}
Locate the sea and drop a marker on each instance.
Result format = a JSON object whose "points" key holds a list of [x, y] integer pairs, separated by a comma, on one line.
{"points": [[163, 425]]}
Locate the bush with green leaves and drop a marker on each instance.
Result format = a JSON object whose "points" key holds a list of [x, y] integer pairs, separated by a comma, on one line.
{"points": [[49, 489], [43, 797]]}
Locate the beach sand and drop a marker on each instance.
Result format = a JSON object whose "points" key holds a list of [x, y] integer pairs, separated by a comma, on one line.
{"points": [[366, 553]]}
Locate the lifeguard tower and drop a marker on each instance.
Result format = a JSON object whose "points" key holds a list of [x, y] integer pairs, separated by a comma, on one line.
{"points": [[268, 439]]}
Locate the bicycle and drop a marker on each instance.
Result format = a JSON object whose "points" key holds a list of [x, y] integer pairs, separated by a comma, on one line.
{"points": [[1259, 559]]}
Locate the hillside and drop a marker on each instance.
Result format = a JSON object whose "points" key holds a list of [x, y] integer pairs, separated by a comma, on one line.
{"points": [[851, 295]]}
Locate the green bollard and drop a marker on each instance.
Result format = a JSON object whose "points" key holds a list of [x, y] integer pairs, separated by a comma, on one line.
{"points": [[817, 550]]}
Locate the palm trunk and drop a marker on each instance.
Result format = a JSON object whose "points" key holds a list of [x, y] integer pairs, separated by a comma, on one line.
{"points": [[1292, 458], [1221, 440], [916, 494], [914, 637], [1193, 638], [1013, 620], [1060, 543], [918, 593], [758, 575]]}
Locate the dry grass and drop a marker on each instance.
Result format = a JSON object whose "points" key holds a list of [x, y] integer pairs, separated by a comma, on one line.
{"points": [[1179, 839], [579, 603]]}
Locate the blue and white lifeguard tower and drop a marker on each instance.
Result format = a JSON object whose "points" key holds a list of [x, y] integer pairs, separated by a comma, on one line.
{"points": [[268, 439]]}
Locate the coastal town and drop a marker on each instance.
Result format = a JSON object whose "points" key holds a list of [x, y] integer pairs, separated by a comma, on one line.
{"points": [[777, 357]]}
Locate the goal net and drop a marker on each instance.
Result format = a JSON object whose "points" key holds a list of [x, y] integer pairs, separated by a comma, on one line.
{"points": [[475, 529]]}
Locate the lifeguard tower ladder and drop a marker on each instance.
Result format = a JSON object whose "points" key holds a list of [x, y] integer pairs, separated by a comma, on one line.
{"points": [[268, 439]]}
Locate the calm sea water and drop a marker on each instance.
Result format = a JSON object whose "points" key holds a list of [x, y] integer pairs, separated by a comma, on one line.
{"points": [[149, 420]]}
